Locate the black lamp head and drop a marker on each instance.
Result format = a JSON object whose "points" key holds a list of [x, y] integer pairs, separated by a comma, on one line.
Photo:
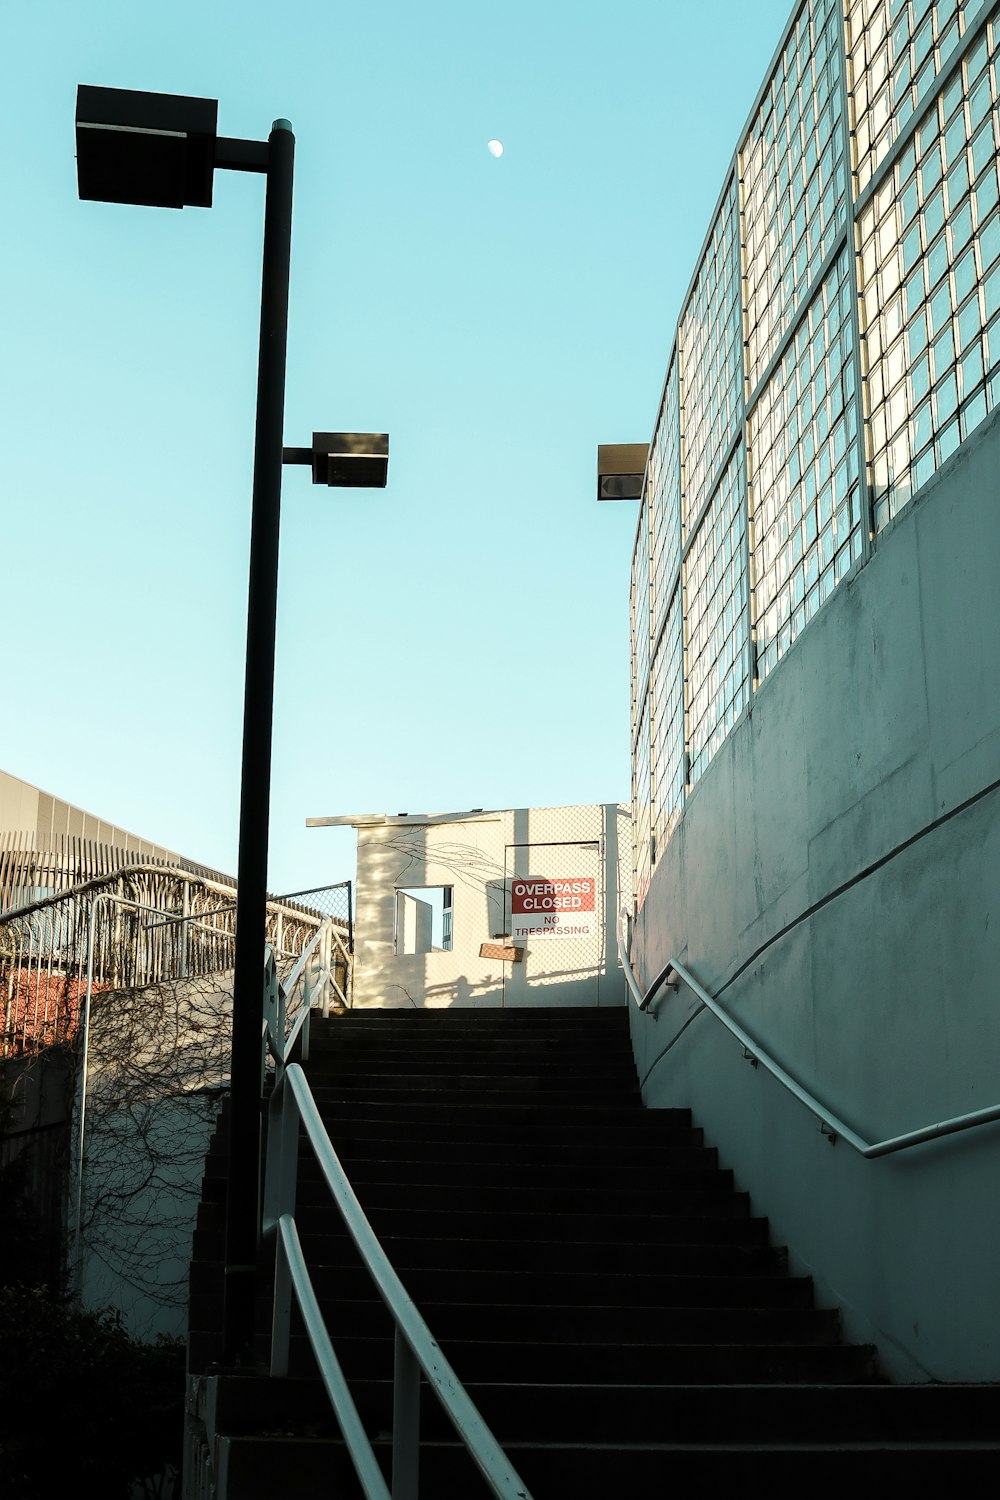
{"points": [[352, 460], [134, 147], [620, 470]]}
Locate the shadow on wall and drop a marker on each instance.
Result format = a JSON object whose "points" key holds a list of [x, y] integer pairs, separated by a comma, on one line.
{"points": [[453, 992]]}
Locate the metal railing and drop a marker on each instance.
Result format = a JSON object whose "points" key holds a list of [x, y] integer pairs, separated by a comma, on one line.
{"points": [[831, 1124], [321, 970], [330, 901], [159, 923], [315, 976], [416, 1352]]}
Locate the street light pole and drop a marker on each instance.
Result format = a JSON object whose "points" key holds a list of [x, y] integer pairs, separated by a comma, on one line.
{"points": [[242, 1216], [162, 150]]}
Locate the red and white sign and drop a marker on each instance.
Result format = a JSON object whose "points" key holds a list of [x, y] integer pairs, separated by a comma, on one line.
{"points": [[552, 907]]}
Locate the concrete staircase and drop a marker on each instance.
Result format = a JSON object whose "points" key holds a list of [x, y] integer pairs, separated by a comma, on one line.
{"points": [[593, 1275]]}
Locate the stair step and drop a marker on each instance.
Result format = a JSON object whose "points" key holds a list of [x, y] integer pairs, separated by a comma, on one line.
{"points": [[457, 1077], [558, 1328], [568, 1207], [529, 1130], [706, 1191], [354, 1149], [476, 1361], [547, 1053], [481, 1100], [499, 1166], [693, 1216], [561, 1330], [611, 1181], [644, 1232], [750, 1256], [478, 1098], [543, 1288], [627, 1364], [300, 1469], [798, 1413], [623, 1128], [473, 1018], [551, 1064], [597, 1156]]}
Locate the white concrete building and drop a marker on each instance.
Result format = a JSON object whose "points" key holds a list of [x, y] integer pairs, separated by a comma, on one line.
{"points": [[511, 907]]}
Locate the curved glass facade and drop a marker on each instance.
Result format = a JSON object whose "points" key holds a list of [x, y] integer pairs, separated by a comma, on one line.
{"points": [[840, 339]]}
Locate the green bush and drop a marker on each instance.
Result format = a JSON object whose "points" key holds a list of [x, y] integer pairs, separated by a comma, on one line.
{"points": [[80, 1400]]}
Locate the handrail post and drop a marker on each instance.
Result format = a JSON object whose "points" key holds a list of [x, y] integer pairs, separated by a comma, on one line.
{"points": [[280, 1181], [405, 1421], [81, 1101], [304, 1036], [308, 985], [278, 991], [273, 1200], [270, 991], [183, 958], [327, 946], [281, 1317]]}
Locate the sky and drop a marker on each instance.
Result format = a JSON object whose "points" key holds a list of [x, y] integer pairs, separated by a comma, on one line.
{"points": [[459, 639]]}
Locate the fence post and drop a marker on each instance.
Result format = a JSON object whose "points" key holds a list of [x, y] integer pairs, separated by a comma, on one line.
{"points": [[326, 959], [80, 1133], [277, 990], [182, 960]]}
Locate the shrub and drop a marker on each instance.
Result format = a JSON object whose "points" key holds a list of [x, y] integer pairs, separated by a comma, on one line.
{"points": [[80, 1400]]}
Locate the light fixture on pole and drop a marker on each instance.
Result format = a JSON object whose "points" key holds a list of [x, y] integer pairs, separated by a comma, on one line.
{"points": [[358, 460]]}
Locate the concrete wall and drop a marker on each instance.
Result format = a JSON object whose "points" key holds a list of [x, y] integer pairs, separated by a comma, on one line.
{"points": [[136, 1250], [35, 1100], [835, 879], [475, 856], [158, 1067]]}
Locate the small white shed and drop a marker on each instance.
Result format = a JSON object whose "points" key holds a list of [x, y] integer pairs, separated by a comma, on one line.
{"points": [[490, 908]]}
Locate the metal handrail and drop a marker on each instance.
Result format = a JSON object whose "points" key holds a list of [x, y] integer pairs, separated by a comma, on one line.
{"points": [[416, 1350], [300, 963], [274, 1041], [277, 993], [327, 930], [832, 1125]]}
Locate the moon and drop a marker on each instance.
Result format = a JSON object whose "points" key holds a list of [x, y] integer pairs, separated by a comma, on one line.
{"points": [[495, 148]]}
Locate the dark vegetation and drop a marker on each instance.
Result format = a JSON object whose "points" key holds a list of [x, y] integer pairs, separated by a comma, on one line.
{"points": [[83, 1406]]}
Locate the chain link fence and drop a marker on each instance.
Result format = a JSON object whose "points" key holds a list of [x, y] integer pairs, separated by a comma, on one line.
{"points": [[336, 901]]}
